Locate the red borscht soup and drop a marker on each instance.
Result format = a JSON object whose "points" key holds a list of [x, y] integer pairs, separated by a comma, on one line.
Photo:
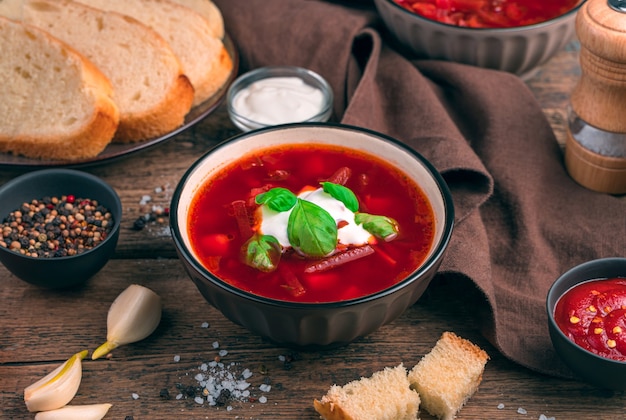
{"points": [[225, 214], [489, 13]]}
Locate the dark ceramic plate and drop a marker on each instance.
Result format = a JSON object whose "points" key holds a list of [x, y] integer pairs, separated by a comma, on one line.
{"points": [[113, 151]]}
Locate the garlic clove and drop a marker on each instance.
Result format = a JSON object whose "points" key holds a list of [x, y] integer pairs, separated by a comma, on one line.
{"points": [[58, 387], [133, 316], [75, 412]]}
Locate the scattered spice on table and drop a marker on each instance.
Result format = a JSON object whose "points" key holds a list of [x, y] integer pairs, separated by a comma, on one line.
{"points": [[152, 213], [56, 226], [222, 384]]}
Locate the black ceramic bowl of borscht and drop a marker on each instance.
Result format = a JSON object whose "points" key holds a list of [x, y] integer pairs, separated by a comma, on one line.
{"points": [[59, 226], [313, 234], [586, 309]]}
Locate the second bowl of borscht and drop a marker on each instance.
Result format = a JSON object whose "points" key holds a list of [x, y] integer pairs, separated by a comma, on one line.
{"points": [[311, 235], [517, 36]]}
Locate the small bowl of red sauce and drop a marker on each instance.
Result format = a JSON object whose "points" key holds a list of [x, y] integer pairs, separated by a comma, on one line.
{"points": [[587, 321], [517, 36], [311, 234]]}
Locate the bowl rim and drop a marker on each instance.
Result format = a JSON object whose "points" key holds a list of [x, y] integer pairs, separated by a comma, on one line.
{"points": [[77, 174], [512, 29], [266, 72], [553, 297], [439, 248]]}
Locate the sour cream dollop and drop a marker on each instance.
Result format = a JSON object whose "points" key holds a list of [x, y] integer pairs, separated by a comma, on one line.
{"points": [[275, 223], [278, 100]]}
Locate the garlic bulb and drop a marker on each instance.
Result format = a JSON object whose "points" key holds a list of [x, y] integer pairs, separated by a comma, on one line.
{"points": [[133, 316], [75, 412], [58, 387]]}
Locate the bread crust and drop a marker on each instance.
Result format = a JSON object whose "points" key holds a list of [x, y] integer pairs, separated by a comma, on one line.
{"points": [[463, 361], [87, 140], [166, 117], [386, 395], [330, 411]]}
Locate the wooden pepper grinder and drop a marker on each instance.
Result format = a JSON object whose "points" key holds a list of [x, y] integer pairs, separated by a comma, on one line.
{"points": [[595, 149]]}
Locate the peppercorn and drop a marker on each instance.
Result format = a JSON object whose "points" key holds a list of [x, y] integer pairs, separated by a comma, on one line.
{"points": [[139, 224], [56, 227]]}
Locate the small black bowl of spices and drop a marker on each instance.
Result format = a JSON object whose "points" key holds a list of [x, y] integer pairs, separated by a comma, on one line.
{"points": [[58, 227]]}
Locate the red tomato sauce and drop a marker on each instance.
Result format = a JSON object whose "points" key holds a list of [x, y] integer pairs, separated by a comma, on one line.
{"points": [[380, 189], [593, 315], [489, 13]]}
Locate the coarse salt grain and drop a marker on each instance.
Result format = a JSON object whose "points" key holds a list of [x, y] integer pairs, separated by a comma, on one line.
{"points": [[223, 353], [544, 417], [521, 411], [145, 199], [500, 406], [204, 325], [265, 387], [262, 399], [216, 345], [135, 396], [179, 396], [219, 377], [177, 358], [199, 400]]}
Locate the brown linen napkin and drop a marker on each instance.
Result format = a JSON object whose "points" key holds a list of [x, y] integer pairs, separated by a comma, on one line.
{"points": [[521, 221]]}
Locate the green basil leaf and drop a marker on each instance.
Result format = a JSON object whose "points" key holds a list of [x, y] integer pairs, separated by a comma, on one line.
{"points": [[311, 229], [343, 194], [262, 252], [278, 199], [382, 227]]}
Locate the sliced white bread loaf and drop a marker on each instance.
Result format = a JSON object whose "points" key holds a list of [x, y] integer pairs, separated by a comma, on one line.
{"points": [[54, 103], [203, 56], [386, 395], [448, 375], [149, 87], [209, 11]]}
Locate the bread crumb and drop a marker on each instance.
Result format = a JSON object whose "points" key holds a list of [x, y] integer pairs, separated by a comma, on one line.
{"points": [[386, 395], [443, 395]]}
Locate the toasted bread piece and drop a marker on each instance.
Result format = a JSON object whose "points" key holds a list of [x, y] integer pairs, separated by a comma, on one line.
{"points": [[448, 375], [54, 103], [149, 87], [209, 11], [386, 395], [203, 56]]}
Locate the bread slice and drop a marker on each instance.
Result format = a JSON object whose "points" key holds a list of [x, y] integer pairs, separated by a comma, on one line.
{"points": [[149, 87], [210, 12], [54, 103], [203, 56], [386, 395], [448, 375]]}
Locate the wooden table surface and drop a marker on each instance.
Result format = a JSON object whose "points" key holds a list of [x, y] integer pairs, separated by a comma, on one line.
{"points": [[41, 328]]}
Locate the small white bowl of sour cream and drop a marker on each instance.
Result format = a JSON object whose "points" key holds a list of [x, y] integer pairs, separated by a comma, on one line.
{"points": [[275, 95]]}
